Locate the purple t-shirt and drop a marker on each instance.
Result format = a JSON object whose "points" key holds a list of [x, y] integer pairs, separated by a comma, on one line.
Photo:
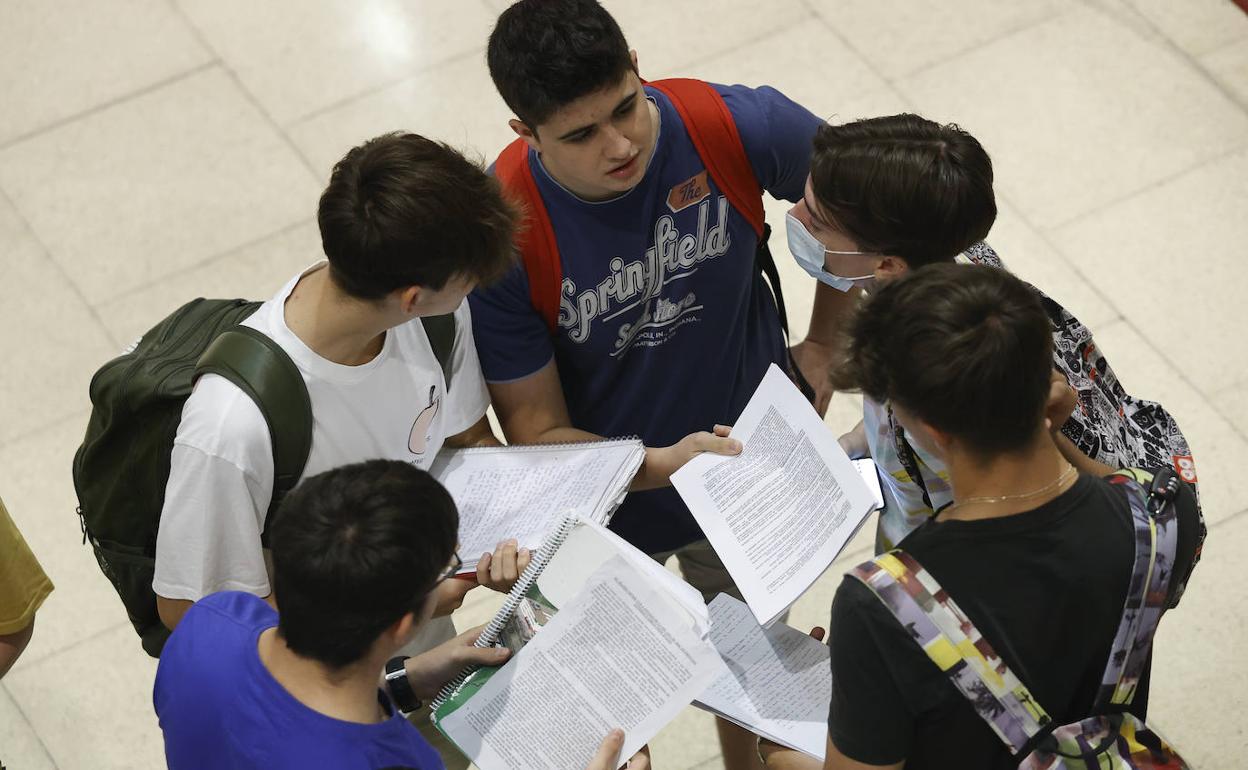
{"points": [[665, 324], [220, 707]]}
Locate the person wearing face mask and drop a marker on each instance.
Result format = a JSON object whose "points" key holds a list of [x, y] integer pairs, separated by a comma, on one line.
{"points": [[891, 194]]}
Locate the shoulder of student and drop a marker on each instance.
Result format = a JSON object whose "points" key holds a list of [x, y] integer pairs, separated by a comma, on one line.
{"points": [[776, 132], [222, 421]]}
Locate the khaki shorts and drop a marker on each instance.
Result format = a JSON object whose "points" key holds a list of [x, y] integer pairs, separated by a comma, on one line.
{"points": [[701, 568]]}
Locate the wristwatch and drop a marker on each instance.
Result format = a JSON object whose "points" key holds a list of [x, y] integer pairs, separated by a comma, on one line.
{"points": [[399, 688]]}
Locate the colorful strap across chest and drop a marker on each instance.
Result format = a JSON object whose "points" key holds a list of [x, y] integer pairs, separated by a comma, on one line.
{"points": [[957, 647]]}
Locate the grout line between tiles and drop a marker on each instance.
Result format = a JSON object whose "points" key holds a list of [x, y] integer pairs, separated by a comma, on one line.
{"points": [[58, 267], [103, 106], [242, 88], [33, 731], [855, 50], [28, 664], [1229, 519], [1167, 179], [680, 69], [382, 86], [206, 261]]}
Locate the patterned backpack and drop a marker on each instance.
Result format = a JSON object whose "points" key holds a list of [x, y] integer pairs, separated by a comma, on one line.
{"points": [[1113, 738]]}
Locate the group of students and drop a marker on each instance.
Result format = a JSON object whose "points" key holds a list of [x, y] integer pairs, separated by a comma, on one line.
{"points": [[645, 303]]}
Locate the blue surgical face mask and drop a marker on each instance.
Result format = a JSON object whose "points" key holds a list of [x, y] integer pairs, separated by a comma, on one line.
{"points": [[809, 253]]}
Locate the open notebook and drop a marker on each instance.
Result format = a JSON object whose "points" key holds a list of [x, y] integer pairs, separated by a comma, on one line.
{"points": [[602, 636], [521, 491]]}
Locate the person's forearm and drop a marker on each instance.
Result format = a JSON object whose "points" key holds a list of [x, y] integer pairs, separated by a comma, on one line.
{"points": [[1075, 457]]}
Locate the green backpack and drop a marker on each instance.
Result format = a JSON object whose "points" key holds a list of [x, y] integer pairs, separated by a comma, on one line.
{"points": [[122, 467]]}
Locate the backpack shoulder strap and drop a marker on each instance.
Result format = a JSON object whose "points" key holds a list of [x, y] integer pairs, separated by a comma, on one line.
{"points": [[955, 645], [536, 239], [261, 369], [440, 329], [714, 135], [1153, 516]]}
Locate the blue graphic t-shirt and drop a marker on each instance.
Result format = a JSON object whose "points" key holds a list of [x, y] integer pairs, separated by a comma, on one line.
{"points": [[665, 325], [220, 707]]}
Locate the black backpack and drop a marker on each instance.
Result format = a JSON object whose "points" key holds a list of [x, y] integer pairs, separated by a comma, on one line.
{"points": [[122, 467]]}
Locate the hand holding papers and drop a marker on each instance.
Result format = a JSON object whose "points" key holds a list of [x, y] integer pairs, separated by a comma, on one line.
{"points": [[628, 647], [520, 492], [780, 512], [778, 682]]}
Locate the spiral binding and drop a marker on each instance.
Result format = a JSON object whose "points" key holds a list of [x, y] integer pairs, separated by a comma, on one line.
{"points": [[489, 636]]}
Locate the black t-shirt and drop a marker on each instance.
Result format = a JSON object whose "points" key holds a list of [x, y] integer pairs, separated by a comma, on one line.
{"points": [[1045, 587]]}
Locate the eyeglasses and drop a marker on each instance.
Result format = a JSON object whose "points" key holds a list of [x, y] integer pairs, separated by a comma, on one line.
{"points": [[451, 569]]}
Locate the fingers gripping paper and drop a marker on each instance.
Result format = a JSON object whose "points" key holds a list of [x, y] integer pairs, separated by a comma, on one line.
{"points": [[620, 654], [780, 512]]}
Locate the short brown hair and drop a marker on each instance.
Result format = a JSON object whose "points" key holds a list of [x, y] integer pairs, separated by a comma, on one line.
{"points": [[402, 210], [905, 186], [968, 349]]}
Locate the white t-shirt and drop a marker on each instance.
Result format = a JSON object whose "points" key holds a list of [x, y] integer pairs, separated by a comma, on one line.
{"points": [[221, 476]]}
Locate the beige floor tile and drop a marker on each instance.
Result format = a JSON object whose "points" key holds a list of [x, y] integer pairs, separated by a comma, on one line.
{"points": [[297, 58], [60, 58], [694, 30], [1199, 669], [1196, 26], [1230, 66], [155, 184], [901, 38], [1029, 256], [255, 271], [20, 747], [37, 487], [1079, 112], [92, 705], [1233, 404], [1220, 451], [1171, 260], [49, 340], [687, 741], [455, 103], [806, 61]]}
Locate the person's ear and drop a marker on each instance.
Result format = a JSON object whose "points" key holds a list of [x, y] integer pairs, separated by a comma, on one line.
{"points": [[941, 440], [632, 55], [408, 299], [891, 267], [524, 132]]}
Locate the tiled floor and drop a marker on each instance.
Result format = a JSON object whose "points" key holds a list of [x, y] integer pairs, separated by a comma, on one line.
{"points": [[154, 151]]}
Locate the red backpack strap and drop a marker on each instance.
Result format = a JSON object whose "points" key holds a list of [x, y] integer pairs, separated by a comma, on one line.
{"points": [[536, 238], [715, 137]]}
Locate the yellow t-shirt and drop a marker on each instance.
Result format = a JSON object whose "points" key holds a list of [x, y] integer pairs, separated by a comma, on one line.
{"points": [[23, 583]]}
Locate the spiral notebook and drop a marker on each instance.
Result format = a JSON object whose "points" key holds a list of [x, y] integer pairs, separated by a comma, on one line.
{"points": [[591, 615], [521, 491]]}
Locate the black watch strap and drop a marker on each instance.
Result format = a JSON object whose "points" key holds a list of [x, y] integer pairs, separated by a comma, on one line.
{"points": [[399, 688]]}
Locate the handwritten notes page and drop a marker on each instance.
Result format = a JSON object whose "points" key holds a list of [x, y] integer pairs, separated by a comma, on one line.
{"points": [[778, 683], [519, 492]]}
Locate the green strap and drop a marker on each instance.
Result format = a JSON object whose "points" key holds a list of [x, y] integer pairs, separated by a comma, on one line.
{"points": [[262, 370], [440, 329]]}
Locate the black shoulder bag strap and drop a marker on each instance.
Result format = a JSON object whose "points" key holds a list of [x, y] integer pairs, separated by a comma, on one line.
{"points": [[905, 454], [767, 266], [440, 329], [261, 369]]}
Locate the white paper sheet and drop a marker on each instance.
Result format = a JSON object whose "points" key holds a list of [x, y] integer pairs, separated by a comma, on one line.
{"points": [[520, 492], [620, 654], [778, 683], [780, 512]]}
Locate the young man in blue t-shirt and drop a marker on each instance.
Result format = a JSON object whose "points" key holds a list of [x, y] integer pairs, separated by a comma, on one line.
{"points": [[665, 326], [357, 555]]}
